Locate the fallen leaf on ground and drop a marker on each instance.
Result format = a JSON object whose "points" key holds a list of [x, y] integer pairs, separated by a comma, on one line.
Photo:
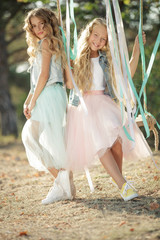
{"points": [[132, 229], [154, 206], [37, 175], [122, 223], [156, 178], [23, 233], [129, 177]]}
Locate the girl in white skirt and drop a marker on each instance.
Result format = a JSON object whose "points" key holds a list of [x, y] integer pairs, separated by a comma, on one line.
{"points": [[45, 106], [100, 132]]}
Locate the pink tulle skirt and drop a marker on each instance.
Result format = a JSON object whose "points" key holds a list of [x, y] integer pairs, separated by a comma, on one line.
{"points": [[92, 134]]}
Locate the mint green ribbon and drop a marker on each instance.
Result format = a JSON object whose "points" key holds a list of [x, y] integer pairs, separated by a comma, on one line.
{"points": [[73, 56], [146, 73], [138, 100], [150, 64]]}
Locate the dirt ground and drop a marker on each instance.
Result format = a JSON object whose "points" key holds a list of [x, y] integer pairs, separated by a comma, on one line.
{"points": [[91, 216]]}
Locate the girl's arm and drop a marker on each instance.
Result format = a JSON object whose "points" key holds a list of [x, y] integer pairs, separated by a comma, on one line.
{"points": [[135, 54], [44, 74], [25, 105], [28, 99], [67, 78]]}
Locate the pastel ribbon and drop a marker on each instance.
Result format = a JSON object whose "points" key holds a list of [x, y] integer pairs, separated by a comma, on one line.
{"points": [[122, 89]]}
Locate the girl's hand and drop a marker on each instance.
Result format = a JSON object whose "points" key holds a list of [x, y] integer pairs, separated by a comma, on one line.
{"points": [[30, 107], [26, 112], [135, 54], [137, 40], [144, 37]]}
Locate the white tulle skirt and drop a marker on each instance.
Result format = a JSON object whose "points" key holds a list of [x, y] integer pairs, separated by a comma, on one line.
{"points": [[93, 134], [43, 133]]}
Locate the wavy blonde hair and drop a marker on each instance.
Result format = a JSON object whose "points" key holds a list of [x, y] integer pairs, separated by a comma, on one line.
{"points": [[82, 64], [53, 36]]}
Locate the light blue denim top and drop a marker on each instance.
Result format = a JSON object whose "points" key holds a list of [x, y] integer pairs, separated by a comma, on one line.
{"points": [[74, 99], [55, 72]]}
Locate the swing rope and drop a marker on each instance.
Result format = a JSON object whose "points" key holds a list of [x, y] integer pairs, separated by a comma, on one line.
{"points": [[59, 13], [144, 92]]}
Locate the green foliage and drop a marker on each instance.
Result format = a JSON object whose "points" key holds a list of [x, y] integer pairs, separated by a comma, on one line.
{"points": [[18, 98], [127, 2], [34, 1], [19, 87], [20, 80]]}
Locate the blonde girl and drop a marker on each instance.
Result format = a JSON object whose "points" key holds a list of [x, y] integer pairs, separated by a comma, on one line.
{"points": [[45, 106], [100, 132]]}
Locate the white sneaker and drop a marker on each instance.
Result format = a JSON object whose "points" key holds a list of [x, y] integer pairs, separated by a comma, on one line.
{"points": [[61, 189], [55, 194], [64, 181]]}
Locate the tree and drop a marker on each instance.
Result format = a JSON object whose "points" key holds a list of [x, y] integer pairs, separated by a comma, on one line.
{"points": [[8, 10], [11, 51]]}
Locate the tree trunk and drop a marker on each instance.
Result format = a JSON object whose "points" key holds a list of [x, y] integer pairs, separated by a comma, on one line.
{"points": [[7, 110]]}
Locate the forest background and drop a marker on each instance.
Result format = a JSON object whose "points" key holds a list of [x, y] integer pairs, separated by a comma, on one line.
{"points": [[14, 78]]}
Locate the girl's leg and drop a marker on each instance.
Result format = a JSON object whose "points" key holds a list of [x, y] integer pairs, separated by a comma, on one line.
{"points": [[35, 130], [53, 171], [61, 187], [127, 192], [118, 154], [112, 168]]}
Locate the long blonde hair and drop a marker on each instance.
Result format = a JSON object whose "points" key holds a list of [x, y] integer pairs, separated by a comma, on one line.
{"points": [[53, 36], [82, 64]]}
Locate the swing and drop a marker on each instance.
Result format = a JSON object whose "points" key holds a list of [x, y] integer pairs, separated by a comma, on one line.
{"points": [[150, 119]]}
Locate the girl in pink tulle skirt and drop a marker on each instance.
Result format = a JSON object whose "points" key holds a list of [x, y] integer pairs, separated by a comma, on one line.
{"points": [[100, 132]]}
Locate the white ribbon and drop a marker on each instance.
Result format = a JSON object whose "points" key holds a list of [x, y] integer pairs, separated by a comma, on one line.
{"points": [[122, 86], [123, 50]]}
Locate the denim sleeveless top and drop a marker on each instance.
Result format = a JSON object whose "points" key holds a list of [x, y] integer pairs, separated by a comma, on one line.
{"points": [[74, 99], [55, 72]]}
